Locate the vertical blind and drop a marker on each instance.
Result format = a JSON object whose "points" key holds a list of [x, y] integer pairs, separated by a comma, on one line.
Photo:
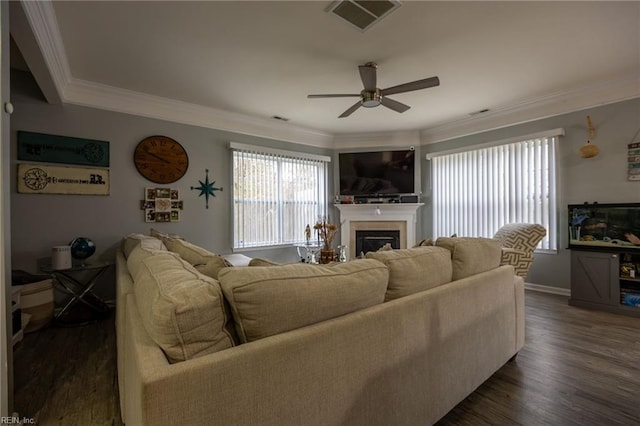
{"points": [[275, 195], [476, 192]]}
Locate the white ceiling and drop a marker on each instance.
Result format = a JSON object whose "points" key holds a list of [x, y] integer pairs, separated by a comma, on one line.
{"points": [[240, 63]]}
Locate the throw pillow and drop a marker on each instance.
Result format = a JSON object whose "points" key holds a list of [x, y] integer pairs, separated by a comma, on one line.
{"points": [[182, 310], [131, 241], [415, 269], [269, 300], [471, 256], [159, 234], [205, 262], [425, 242]]}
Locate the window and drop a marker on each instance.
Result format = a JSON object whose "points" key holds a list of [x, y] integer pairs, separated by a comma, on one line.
{"points": [[275, 195], [475, 192]]}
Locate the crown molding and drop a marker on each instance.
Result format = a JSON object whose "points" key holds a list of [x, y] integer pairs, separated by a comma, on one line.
{"points": [[42, 19], [86, 93], [375, 140], [44, 25], [607, 92], [43, 22]]}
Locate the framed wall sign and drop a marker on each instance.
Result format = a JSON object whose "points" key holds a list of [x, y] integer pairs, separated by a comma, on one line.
{"points": [[47, 179], [62, 149]]}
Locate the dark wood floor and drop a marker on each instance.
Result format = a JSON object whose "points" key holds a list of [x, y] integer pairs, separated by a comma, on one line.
{"points": [[578, 367]]}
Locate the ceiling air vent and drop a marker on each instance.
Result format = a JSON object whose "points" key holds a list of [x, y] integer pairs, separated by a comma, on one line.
{"points": [[363, 14]]}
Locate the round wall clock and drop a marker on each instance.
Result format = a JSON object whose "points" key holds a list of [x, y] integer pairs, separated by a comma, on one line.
{"points": [[161, 159]]}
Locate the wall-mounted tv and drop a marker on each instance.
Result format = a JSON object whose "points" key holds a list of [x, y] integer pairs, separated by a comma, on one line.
{"points": [[377, 173]]}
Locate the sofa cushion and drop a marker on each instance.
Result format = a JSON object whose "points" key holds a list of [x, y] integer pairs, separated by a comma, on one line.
{"points": [[415, 269], [267, 300], [471, 256], [206, 262], [424, 242], [131, 241], [182, 310], [137, 255], [257, 261], [160, 235]]}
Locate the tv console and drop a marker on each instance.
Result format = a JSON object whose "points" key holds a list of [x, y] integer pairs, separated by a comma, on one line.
{"points": [[362, 199]]}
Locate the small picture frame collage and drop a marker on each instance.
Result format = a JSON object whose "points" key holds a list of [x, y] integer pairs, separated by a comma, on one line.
{"points": [[161, 205]]}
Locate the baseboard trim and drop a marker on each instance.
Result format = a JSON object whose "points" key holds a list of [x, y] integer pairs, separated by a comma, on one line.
{"points": [[548, 289]]}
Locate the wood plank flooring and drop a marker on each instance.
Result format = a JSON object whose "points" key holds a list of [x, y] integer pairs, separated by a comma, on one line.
{"points": [[578, 367], [67, 376]]}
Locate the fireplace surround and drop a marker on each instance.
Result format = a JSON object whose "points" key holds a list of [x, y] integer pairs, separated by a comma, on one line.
{"points": [[401, 217]]}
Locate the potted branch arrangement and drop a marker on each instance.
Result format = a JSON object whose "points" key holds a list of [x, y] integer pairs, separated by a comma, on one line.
{"points": [[326, 232]]}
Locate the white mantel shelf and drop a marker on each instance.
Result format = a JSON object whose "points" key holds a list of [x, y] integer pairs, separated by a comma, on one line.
{"points": [[393, 212]]}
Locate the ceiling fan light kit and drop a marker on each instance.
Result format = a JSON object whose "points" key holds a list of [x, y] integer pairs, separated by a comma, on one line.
{"points": [[372, 96]]}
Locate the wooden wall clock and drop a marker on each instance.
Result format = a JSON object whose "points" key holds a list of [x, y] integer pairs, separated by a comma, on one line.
{"points": [[161, 159]]}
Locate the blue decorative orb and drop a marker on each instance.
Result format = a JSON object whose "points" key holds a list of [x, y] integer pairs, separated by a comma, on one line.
{"points": [[82, 248]]}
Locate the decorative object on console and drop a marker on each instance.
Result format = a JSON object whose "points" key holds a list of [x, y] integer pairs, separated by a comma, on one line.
{"points": [[161, 205], [206, 188], [326, 232], [82, 248], [61, 257], [161, 159], [589, 150], [343, 253]]}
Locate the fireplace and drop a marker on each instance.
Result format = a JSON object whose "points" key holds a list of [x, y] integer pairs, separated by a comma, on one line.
{"points": [[372, 240], [398, 218]]}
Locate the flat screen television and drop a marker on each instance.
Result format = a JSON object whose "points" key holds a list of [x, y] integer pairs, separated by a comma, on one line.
{"points": [[377, 173]]}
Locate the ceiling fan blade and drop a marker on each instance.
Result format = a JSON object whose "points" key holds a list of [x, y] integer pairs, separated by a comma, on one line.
{"points": [[414, 85], [350, 110], [368, 76], [394, 105], [335, 95]]}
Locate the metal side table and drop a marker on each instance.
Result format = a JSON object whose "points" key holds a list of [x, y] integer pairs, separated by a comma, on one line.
{"points": [[78, 281]]}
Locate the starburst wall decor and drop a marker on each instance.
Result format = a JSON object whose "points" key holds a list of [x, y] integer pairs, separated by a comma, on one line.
{"points": [[206, 188]]}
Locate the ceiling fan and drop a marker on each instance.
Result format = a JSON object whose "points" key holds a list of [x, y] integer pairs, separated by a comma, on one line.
{"points": [[372, 96]]}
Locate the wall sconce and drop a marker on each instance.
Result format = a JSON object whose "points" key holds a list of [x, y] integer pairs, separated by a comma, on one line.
{"points": [[589, 150]]}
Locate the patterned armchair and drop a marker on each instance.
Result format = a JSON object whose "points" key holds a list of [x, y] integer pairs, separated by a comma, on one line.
{"points": [[519, 240]]}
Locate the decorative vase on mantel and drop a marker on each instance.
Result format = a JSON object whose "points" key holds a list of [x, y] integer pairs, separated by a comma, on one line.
{"points": [[327, 255]]}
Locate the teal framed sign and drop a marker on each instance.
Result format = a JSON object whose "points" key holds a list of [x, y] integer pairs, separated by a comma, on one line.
{"points": [[62, 149]]}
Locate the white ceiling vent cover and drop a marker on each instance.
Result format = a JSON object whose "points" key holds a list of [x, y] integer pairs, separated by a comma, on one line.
{"points": [[363, 14]]}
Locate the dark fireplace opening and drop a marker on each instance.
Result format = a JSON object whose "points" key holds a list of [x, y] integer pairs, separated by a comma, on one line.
{"points": [[372, 240]]}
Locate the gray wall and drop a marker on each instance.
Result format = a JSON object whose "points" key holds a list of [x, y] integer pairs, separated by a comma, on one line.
{"points": [[602, 178], [40, 221]]}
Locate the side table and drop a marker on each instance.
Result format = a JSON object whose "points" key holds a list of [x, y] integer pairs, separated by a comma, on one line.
{"points": [[78, 281]]}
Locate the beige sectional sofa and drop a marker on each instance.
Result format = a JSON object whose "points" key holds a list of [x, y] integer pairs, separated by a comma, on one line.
{"points": [[392, 339]]}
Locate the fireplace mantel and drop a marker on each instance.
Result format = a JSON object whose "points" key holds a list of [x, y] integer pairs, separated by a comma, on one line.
{"points": [[407, 213]]}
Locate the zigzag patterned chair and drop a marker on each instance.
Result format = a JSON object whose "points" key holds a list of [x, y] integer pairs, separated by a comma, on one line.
{"points": [[519, 240]]}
